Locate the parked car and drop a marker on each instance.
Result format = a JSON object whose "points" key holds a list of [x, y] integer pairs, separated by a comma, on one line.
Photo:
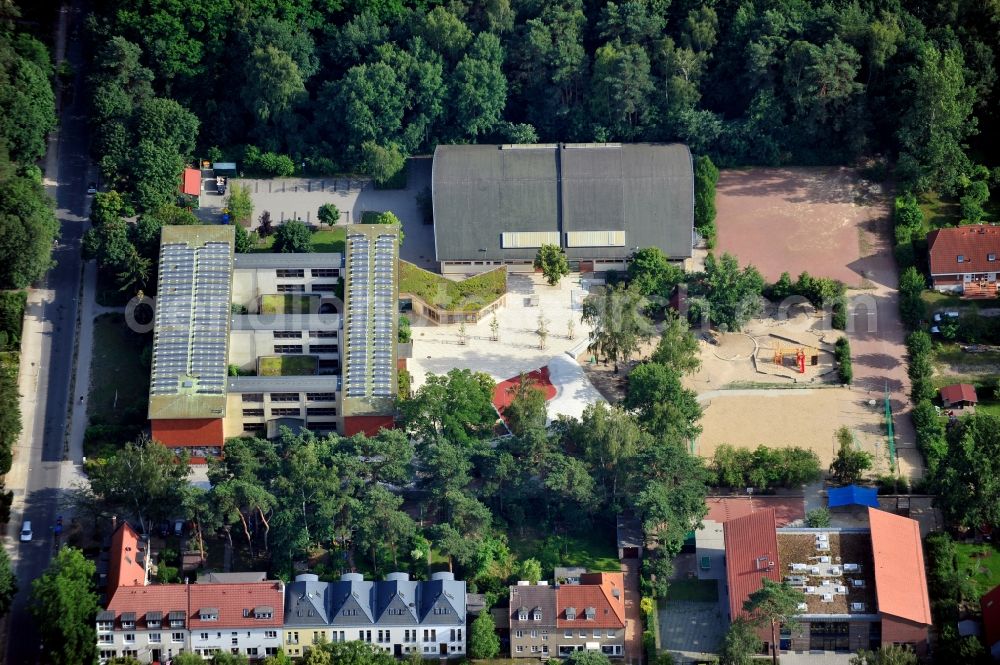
{"points": [[26, 531], [178, 527], [91, 188], [940, 315]]}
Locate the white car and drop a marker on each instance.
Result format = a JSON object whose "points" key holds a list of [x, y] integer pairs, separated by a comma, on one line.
{"points": [[26, 531]]}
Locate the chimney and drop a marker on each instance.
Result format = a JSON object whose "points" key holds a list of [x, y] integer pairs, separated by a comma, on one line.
{"points": [[114, 523]]}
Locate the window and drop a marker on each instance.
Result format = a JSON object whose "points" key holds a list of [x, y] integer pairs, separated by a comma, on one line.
{"points": [[106, 639], [522, 616], [459, 634], [293, 637], [325, 272], [961, 258], [323, 348], [251, 651], [537, 615], [568, 633], [284, 397], [291, 288], [545, 635], [130, 653], [286, 412], [597, 634], [520, 649], [321, 397], [203, 636], [253, 413], [611, 633], [105, 625], [325, 287], [104, 653], [176, 637], [254, 427], [350, 613], [534, 649], [534, 633], [518, 634], [270, 634], [991, 257], [323, 334], [154, 638], [291, 272], [128, 624], [270, 651], [287, 334], [235, 641], [583, 634], [545, 648], [253, 398], [287, 348]]}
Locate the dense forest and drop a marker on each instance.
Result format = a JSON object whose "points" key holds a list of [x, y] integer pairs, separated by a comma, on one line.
{"points": [[328, 85]]}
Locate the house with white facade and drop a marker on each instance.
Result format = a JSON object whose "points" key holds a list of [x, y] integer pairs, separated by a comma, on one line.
{"points": [[400, 615]]}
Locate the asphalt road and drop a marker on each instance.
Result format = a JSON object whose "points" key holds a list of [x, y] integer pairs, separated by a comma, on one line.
{"points": [[57, 344]]}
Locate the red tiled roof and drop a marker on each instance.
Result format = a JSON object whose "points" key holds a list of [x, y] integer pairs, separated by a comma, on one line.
{"points": [[595, 590], [722, 509], [973, 243], [192, 182], [751, 556], [164, 598], [124, 567], [236, 600], [503, 393], [990, 604], [188, 431], [959, 392], [900, 581]]}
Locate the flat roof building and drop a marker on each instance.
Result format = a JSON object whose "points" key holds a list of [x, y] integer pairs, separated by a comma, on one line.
{"points": [[245, 344], [497, 204]]}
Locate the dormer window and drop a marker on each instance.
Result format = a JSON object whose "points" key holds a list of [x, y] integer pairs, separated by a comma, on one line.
{"points": [[991, 257], [263, 612], [961, 258], [522, 614], [176, 619], [208, 614], [590, 613], [536, 615], [128, 620], [570, 613]]}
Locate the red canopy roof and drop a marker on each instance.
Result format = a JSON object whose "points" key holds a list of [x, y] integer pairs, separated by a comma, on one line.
{"points": [[751, 556], [959, 392], [192, 182], [975, 244], [900, 583]]}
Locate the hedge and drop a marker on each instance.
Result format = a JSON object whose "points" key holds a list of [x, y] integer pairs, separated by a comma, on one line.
{"points": [[842, 354]]}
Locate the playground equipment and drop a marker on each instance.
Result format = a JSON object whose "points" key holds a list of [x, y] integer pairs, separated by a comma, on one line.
{"points": [[800, 357]]}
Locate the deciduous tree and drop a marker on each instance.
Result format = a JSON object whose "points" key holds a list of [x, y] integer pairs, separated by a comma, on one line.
{"points": [[292, 237], [64, 605]]}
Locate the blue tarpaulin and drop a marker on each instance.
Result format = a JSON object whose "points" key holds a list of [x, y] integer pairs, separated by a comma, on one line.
{"points": [[852, 495]]}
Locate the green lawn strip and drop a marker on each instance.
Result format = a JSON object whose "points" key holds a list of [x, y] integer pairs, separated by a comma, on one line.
{"points": [[951, 353], [982, 562], [468, 295], [323, 241], [287, 304], [592, 552], [693, 591], [292, 365], [119, 382], [935, 301], [938, 212]]}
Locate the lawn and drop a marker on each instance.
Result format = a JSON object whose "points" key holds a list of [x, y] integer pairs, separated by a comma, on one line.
{"points": [[287, 304], [938, 212], [953, 354], [594, 551], [468, 295], [322, 241], [287, 365], [983, 561], [119, 372], [935, 301], [693, 591]]}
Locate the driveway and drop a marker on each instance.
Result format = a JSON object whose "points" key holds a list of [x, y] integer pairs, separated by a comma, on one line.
{"points": [[633, 614]]}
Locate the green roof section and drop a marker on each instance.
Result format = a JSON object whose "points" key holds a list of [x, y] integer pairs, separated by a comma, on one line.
{"points": [[644, 190], [191, 322], [371, 306]]}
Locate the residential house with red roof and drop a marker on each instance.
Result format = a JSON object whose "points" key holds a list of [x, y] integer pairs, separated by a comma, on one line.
{"points": [[559, 620], [965, 260], [862, 587], [990, 604], [154, 622]]}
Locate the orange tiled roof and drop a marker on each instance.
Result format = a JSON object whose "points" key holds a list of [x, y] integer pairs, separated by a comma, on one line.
{"points": [[751, 555], [900, 582], [974, 243], [192, 182], [596, 590], [236, 604], [124, 566], [163, 598], [725, 508], [959, 392]]}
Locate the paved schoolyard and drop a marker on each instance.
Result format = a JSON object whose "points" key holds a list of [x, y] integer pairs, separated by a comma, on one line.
{"points": [[436, 349], [300, 198], [691, 630]]}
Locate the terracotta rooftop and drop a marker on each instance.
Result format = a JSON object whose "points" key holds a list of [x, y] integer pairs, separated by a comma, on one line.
{"points": [[751, 556], [161, 598], [602, 592], [238, 605], [990, 604], [722, 509], [900, 581], [192, 182], [975, 244], [959, 392], [125, 567]]}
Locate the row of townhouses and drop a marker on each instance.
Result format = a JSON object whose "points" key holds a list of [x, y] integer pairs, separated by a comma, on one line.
{"points": [[244, 614]]}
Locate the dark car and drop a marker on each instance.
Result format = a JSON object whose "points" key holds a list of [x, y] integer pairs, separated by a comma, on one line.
{"points": [[91, 188]]}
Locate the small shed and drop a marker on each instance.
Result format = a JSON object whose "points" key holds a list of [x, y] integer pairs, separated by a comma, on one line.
{"points": [[852, 495], [959, 395], [192, 183], [630, 538]]}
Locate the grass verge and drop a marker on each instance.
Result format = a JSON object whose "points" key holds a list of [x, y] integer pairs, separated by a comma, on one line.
{"points": [[119, 372], [982, 561], [323, 241], [693, 591], [287, 304]]}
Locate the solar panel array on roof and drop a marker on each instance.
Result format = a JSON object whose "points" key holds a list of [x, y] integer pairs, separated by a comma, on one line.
{"points": [[192, 310], [371, 315]]}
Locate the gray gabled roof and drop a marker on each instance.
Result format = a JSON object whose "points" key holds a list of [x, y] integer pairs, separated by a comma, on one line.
{"points": [[396, 601], [353, 596], [482, 191], [306, 603], [443, 592]]}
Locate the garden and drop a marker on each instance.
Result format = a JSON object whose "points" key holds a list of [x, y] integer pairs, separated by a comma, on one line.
{"points": [[467, 295], [287, 365]]}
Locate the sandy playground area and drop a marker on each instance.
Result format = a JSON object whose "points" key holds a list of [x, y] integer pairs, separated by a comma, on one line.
{"points": [[782, 418], [795, 220]]}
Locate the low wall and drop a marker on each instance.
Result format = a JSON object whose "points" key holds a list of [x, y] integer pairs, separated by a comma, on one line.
{"points": [[439, 316]]}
